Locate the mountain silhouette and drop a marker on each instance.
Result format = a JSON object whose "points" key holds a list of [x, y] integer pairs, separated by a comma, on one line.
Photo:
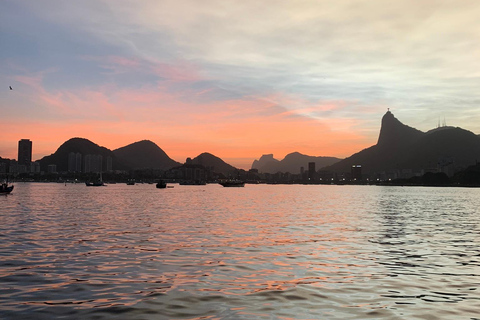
{"points": [[215, 163], [394, 134], [78, 145], [266, 161], [401, 147], [145, 154], [291, 163]]}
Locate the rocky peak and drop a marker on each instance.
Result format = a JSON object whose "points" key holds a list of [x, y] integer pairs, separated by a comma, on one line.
{"points": [[393, 132]]}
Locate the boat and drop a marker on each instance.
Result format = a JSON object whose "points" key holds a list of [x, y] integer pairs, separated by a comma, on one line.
{"points": [[192, 183], [161, 184], [232, 183], [5, 188], [98, 183]]}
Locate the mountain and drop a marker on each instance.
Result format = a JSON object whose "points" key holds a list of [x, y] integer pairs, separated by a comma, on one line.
{"points": [[291, 163], [264, 163], [401, 147], [218, 165], [394, 134], [145, 154], [82, 146]]}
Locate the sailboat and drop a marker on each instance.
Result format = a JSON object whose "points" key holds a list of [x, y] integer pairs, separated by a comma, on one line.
{"points": [[98, 183]]}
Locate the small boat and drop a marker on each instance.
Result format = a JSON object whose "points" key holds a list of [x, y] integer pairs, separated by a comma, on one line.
{"points": [[192, 183], [5, 188], [98, 183], [161, 184], [232, 183]]}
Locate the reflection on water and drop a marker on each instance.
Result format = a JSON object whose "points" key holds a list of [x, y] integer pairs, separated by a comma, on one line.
{"points": [[208, 252]]}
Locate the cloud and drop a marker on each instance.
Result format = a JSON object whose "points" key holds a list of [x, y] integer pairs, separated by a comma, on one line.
{"points": [[322, 69]]}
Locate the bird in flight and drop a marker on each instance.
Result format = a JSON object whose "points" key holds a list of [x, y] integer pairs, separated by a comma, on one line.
{"points": [[10, 87]]}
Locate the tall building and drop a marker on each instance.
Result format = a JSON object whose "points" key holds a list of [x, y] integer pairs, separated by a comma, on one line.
{"points": [[74, 162], [93, 163], [25, 152], [311, 171], [357, 172]]}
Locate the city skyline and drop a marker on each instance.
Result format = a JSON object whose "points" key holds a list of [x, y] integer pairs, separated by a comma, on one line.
{"points": [[237, 80]]}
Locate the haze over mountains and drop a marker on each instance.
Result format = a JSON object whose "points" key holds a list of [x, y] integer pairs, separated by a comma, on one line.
{"points": [[291, 163]]}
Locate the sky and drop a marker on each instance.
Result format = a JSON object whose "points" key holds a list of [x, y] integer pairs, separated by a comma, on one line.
{"points": [[237, 79]]}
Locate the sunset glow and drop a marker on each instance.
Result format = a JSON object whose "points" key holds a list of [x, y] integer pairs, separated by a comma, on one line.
{"points": [[234, 79]]}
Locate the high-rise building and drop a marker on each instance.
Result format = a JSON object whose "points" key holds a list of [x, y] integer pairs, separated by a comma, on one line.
{"points": [[357, 172], [74, 162], [311, 171], [25, 152], [93, 163]]}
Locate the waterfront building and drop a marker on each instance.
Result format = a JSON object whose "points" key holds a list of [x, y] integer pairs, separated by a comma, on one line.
{"points": [[52, 168], [93, 163], [35, 167], [3, 167], [357, 172], [311, 171], [74, 162], [24, 152]]}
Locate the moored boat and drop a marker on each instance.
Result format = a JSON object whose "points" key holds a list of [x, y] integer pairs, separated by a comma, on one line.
{"points": [[192, 183], [161, 184], [5, 188], [232, 183], [94, 184]]}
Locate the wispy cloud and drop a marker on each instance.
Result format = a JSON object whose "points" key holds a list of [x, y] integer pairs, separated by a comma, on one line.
{"points": [[314, 74]]}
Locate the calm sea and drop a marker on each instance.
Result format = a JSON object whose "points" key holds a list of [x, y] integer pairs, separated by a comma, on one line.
{"points": [[259, 252]]}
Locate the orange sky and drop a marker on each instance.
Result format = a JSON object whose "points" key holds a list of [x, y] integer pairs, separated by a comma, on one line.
{"points": [[236, 79], [238, 131]]}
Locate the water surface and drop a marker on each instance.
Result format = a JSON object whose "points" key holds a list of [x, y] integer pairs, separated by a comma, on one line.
{"points": [[259, 252]]}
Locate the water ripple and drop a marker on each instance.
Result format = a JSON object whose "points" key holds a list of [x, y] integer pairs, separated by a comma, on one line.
{"points": [[207, 252]]}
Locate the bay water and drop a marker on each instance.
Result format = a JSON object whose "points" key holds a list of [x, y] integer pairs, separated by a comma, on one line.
{"points": [[258, 252]]}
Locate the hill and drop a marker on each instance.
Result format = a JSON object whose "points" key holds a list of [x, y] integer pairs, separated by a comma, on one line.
{"points": [[82, 146], [144, 154], [215, 163], [401, 147], [291, 163]]}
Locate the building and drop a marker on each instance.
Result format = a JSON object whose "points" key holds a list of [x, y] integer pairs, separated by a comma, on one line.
{"points": [[74, 162], [24, 152], [311, 171], [357, 172], [93, 163], [3, 167], [35, 167], [52, 168]]}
